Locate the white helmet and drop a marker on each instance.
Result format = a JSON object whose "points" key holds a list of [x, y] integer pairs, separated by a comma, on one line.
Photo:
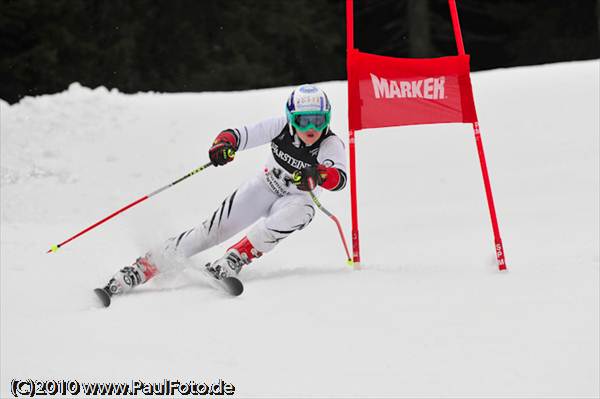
{"points": [[308, 107]]}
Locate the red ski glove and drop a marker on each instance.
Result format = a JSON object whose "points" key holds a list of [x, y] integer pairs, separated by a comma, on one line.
{"points": [[223, 148], [310, 177]]}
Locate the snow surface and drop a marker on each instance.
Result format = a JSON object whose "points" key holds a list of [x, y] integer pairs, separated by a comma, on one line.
{"points": [[428, 316]]}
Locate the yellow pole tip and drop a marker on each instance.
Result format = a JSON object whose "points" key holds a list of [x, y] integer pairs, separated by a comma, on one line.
{"points": [[349, 262], [54, 248]]}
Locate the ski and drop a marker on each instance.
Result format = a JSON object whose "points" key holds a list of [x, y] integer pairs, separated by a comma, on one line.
{"points": [[104, 296], [231, 285]]}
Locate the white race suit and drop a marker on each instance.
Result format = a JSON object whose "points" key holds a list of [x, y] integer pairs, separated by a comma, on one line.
{"points": [[269, 197]]}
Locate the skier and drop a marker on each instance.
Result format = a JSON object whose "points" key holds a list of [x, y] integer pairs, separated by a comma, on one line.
{"points": [[305, 155]]}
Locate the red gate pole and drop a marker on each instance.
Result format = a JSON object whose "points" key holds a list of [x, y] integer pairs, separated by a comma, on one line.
{"points": [[486, 179], [355, 240], [351, 137]]}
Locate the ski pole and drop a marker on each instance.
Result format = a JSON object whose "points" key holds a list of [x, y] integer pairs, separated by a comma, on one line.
{"points": [[55, 248], [337, 222]]}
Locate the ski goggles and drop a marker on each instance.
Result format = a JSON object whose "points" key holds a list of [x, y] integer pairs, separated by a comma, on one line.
{"points": [[304, 121]]}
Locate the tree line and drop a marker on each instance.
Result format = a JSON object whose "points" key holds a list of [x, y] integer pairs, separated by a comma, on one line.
{"points": [[208, 45]]}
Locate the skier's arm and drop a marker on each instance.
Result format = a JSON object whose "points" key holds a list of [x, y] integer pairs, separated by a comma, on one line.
{"points": [[332, 164], [309, 177], [260, 133], [229, 141], [329, 173]]}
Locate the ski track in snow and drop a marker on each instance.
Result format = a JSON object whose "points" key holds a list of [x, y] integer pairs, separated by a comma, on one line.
{"points": [[427, 316]]}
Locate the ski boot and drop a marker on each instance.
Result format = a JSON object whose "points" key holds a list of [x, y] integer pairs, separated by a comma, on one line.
{"points": [[230, 264], [142, 270]]}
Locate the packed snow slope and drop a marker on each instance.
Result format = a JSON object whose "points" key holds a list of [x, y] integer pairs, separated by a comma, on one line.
{"points": [[429, 315]]}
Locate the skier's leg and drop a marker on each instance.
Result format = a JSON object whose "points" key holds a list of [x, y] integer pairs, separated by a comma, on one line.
{"points": [[245, 206], [288, 214], [237, 211]]}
